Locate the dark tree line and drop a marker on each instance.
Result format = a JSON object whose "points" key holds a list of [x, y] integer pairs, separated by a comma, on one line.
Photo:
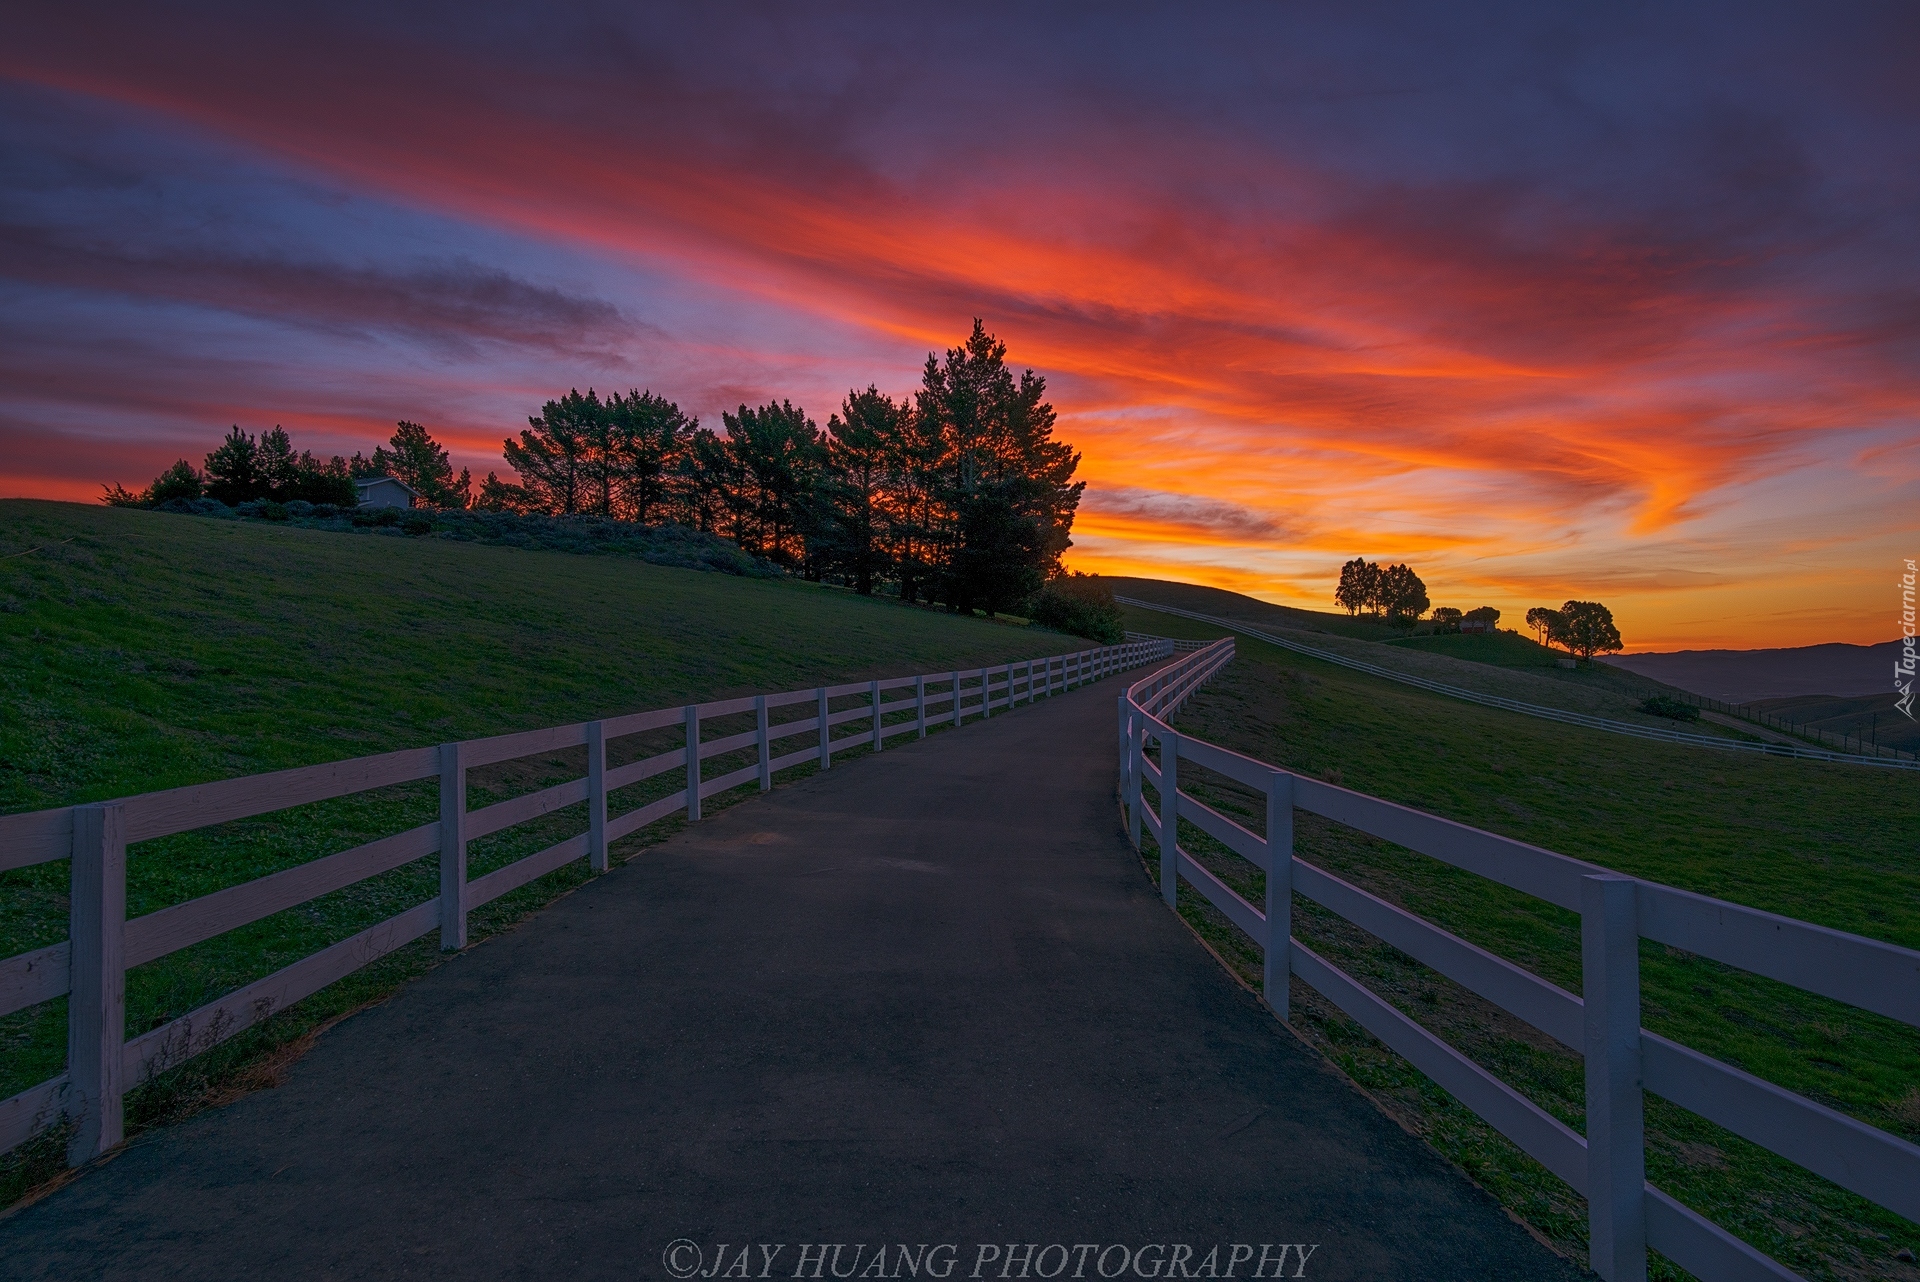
{"points": [[1583, 628], [1393, 592], [243, 468], [958, 494]]}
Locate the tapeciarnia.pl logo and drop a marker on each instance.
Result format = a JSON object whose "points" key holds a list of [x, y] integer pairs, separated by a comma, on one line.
{"points": [[1904, 665]]}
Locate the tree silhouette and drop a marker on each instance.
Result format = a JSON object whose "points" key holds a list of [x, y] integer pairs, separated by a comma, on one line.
{"points": [[1587, 629], [1359, 586]]}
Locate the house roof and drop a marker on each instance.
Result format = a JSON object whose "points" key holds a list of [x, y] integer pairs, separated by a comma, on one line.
{"points": [[365, 481]]}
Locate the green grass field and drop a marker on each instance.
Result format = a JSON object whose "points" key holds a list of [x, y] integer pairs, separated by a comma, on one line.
{"points": [[1826, 843], [142, 650]]}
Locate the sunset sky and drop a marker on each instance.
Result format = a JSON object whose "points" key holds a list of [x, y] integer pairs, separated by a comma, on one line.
{"points": [[1614, 303]]}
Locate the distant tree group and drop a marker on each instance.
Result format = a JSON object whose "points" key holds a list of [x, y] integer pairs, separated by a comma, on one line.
{"points": [[1583, 628], [242, 468], [1393, 592], [1447, 619], [959, 494]]}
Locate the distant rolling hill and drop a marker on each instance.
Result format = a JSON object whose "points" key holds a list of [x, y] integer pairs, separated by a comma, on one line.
{"points": [[1744, 676], [1841, 689]]}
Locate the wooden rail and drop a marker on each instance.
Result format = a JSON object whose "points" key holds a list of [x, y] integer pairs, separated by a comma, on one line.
{"points": [[1626, 1215], [90, 967]]}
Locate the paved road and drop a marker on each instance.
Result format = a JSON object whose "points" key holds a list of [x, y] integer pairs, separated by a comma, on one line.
{"points": [[924, 999]]}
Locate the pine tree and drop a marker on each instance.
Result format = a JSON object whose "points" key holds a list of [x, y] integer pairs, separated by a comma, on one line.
{"points": [[652, 435], [233, 469], [777, 456], [852, 517], [553, 456]]}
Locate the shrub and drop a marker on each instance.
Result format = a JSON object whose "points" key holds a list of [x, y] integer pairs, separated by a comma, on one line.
{"points": [[387, 516], [1079, 604], [272, 511], [417, 523], [1662, 706]]}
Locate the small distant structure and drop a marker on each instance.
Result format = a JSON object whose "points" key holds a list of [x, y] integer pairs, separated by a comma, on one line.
{"points": [[385, 491], [1482, 620]]}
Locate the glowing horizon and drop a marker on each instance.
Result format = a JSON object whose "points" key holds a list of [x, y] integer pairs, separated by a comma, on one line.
{"points": [[1364, 296]]}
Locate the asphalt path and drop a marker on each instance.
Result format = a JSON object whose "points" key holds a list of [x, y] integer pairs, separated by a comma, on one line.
{"points": [[922, 1012]]}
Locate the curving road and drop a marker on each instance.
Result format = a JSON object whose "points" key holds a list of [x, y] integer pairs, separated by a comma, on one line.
{"points": [[927, 1001]]}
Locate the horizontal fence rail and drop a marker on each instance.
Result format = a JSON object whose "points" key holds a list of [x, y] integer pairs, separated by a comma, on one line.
{"points": [[1531, 709], [1626, 1215], [90, 967], [1774, 721]]}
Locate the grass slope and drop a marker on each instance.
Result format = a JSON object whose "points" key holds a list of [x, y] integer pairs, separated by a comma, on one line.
{"points": [[143, 650], [1502, 664], [1826, 843]]}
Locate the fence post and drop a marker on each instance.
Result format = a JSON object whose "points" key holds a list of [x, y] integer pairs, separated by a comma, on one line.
{"points": [[986, 693], [1169, 817], [1135, 747], [826, 731], [693, 763], [763, 741], [97, 979], [956, 696], [1125, 734], [1009, 687], [920, 705], [873, 689], [597, 795], [1616, 1159], [453, 845], [1276, 974]]}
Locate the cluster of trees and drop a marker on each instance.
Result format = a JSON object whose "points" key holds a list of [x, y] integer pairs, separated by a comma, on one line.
{"points": [[1447, 619], [243, 468], [1583, 628], [1392, 592], [958, 494]]}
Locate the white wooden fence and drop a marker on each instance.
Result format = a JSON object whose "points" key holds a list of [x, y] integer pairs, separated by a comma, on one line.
{"points": [[1626, 1215], [91, 967]]}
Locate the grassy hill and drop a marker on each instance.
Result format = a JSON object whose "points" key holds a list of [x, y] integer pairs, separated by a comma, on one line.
{"points": [[1501, 663], [1826, 843], [144, 650], [1191, 596], [1869, 717]]}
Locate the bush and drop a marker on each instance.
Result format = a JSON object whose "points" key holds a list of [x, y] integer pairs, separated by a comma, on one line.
{"points": [[273, 511], [417, 523], [386, 516], [1660, 705], [1079, 604]]}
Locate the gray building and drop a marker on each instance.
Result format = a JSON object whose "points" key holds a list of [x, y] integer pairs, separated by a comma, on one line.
{"points": [[385, 491]]}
